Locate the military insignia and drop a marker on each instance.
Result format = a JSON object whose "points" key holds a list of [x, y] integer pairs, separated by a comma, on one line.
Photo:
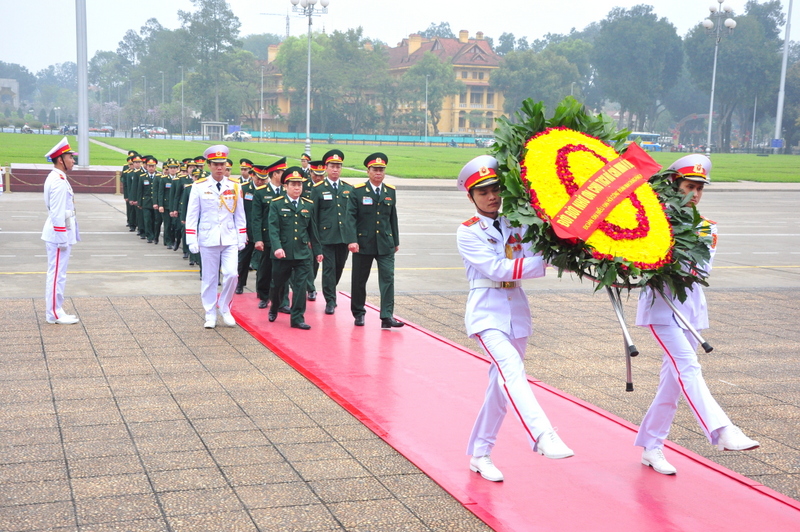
{"points": [[471, 221]]}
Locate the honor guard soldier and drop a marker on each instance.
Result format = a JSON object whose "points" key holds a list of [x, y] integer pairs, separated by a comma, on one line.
{"points": [[248, 187], [680, 369], [144, 197], [127, 192], [262, 200], [374, 209], [293, 238], [216, 227], [331, 198], [499, 319], [317, 172], [60, 231]]}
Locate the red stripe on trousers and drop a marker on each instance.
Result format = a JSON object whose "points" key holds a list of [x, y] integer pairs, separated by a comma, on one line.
{"points": [[680, 381], [55, 281], [505, 387]]}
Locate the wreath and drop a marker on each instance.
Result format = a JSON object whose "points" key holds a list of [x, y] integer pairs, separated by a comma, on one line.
{"points": [[650, 237]]}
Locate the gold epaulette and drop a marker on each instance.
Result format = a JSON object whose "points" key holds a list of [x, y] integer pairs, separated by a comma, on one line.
{"points": [[176, 178], [306, 199], [200, 180], [387, 185], [261, 187], [235, 179], [319, 183], [471, 221], [188, 185], [360, 185], [277, 198]]}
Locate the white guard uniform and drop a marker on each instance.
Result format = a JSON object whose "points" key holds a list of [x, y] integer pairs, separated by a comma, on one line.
{"points": [[60, 232], [500, 320], [680, 370], [215, 221]]}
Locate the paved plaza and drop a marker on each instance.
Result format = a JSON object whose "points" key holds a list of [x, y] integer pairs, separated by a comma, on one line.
{"points": [[138, 419]]}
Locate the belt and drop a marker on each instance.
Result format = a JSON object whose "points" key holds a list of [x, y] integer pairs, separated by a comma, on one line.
{"points": [[488, 283]]}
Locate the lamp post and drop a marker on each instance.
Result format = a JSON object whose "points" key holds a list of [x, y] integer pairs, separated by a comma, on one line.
{"points": [[717, 12], [58, 120], [162, 97], [307, 9], [782, 91], [145, 99], [261, 112], [426, 109], [183, 133]]}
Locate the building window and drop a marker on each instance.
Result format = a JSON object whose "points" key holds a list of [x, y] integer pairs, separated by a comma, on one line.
{"points": [[463, 98], [480, 75], [463, 74], [462, 120], [474, 75], [476, 97], [489, 99]]}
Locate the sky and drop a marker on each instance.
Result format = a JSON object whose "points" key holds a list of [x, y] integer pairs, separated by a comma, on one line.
{"points": [[36, 42]]}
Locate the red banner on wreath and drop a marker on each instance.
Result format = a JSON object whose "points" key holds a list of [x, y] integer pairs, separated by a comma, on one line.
{"points": [[598, 196]]}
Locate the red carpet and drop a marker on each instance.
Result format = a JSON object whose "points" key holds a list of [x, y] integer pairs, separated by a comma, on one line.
{"points": [[420, 393]]}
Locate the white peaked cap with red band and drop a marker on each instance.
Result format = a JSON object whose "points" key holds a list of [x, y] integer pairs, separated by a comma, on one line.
{"points": [[694, 167], [59, 149], [217, 153], [479, 172]]}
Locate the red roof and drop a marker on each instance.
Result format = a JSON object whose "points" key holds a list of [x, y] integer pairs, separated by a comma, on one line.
{"points": [[474, 52]]}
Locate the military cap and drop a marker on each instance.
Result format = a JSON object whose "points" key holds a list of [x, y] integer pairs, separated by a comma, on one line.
{"points": [[261, 171], [171, 163], [318, 167], [136, 158], [131, 153], [333, 156], [149, 159], [245, 163], [305, 156], [62, 148], [217, 153], [228, 163], [694, 167], [377, 159], [293, 173], [479, 172], [280, 164], [200, 159]]}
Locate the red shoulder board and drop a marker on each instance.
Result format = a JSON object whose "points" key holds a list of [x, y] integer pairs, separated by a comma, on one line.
{"points": [[471, 221]]}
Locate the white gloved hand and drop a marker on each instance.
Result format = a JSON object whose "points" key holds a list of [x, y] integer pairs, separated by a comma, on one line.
{"points": [[242, 245], [194, 248]]}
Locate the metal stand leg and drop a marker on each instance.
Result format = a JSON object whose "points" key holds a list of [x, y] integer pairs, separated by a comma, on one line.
{"points": [[706, 346], [629, 348]]}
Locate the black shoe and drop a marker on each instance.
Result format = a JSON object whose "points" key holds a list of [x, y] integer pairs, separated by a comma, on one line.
{"points": [[185, 255], [330, 307], [239, 290], [132, 229], [359, 321], [273, 316], [302, 325], [191, 263], [262, 304], [155, 241], [388, 323], [149, 241], [312, 295], [166, 245], [143, 237], [175, 247], [284, 310]]}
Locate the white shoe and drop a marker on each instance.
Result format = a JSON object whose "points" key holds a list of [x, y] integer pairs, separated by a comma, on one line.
{"points": [[731, 438], [65, 319], [210, 323], [551, 446], [655, 459], [484, 466], [227, 319], [61, 314]]}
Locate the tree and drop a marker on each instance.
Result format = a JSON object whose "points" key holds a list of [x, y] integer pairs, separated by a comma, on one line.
{"points": [[438, 30], [213, 31], [637, 56], [441, 83], [544, 76], [506, 44], [748, 65], [26, 80], [258, 44]]}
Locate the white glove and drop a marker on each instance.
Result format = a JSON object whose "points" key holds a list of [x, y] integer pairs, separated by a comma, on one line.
{"points": [[194, 248], [242, 245], [63, 247]]}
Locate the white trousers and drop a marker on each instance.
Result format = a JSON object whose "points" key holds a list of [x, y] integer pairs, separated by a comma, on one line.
{"points": [[680, 375], [508, 386], [57, 260], [216, 259]]}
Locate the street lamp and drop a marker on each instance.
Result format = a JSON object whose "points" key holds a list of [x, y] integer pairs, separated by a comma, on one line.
{"points": [[145, 99], [307, 9], [162, 97], [426, 109], [58, 121], [782, 90], [261, 112], [716, 12], [183, 134]]}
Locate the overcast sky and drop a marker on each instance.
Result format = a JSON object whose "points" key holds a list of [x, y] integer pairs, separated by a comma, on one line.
{"points": [[38, 33]]}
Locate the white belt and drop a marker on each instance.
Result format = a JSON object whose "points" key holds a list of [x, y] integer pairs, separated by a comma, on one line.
{"points": [[488, 283]]}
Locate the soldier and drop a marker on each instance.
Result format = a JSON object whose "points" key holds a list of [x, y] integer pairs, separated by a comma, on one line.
{"points": [[159, 187], [216, 227], [134, 174], [183, 205], [680, 370], [293, 237], [317, 172], [164, 203], [60, 231], [130, 210], [306, 171], [498, 317], [374, 210], [262, 199], [180, 181], [331, 198], [144, 197], [248, 188]]}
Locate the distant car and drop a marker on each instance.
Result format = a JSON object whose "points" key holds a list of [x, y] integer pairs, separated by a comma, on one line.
{"points": [[107, 128], [239, 136], [158, 131]]}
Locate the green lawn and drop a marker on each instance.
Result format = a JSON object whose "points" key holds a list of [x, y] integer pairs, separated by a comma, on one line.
{"points": [[404, 161]]}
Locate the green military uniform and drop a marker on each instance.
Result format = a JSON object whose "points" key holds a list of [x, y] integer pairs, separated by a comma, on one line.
{"points": [[246, 254], [292, 228], [144, 196], [375, 218], [162, 199], [176, 195], [194, 258], [262, 199], [334, 223], [130, 210]]}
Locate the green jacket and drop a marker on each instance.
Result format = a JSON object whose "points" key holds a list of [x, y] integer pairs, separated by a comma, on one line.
{"points": [[247, 197], [293, 229], [161, 194], [333, 217], [145, 186], [176, 192], [259, 212], [375, 219], [131, 178]]}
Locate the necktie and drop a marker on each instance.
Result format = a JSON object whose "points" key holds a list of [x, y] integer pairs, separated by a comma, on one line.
{"points": [[335, 188], [496, 225], [378, 191], [219, 185], [294, 203]]}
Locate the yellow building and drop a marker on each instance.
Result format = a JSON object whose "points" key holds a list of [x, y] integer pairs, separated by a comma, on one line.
{"points": [[275, 115], [474, 111]]}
